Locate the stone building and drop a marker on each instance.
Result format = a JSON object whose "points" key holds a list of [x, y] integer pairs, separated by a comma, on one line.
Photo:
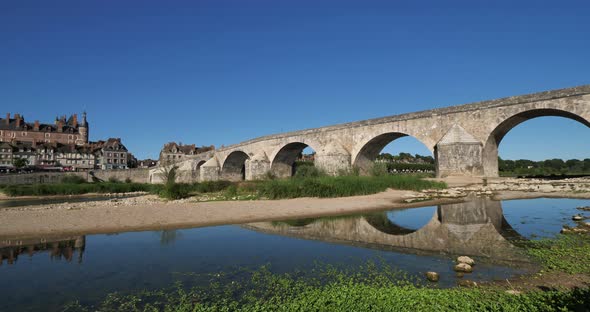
{"points": [[147, 163], [110, 154], [75, 158], [63, 130], [6, 151], [176, 152]]}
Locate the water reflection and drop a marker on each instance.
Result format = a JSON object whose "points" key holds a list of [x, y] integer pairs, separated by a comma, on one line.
{"points": [[168, 237], [475, 228], [68, 248]]}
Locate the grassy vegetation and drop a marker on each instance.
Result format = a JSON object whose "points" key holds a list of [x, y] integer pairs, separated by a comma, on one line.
{"points": [[75, 188], [371, 288], [307, 182], [341, 186], [569, 253]]}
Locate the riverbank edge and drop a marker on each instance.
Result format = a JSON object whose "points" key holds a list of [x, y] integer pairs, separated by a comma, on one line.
{"points": [[145, 213]]}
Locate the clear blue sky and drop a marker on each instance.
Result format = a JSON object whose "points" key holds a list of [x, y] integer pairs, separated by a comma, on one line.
{"points": [[220, 72]]}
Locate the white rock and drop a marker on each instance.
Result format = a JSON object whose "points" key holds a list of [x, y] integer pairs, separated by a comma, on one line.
{"points": [[465, 259], [463, 267]]}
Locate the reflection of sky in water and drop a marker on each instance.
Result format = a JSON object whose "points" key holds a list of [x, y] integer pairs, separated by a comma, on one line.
{"points": [[542, 217], [140, 260], [413, 218]]}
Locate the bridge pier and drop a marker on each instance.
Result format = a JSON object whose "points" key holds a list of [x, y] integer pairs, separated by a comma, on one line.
{"points": [[210, 171], [257, 167], [333, 159], [458, 153]]}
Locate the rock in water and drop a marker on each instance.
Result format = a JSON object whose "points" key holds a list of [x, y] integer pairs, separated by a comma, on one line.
{"points": [[432, 276], [463, 267], [577, 218], [466, 283], [465, 259]]}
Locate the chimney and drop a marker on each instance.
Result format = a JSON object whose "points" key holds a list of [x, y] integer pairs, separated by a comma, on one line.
{"points": [[75, 120], [60, 126], [18, 120], [7, 119], [36, 127]]}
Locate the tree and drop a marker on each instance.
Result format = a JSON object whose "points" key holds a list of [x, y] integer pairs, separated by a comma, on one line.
{"points": [[20, 163]]}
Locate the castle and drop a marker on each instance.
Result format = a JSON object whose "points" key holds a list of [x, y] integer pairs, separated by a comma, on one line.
{"points": [[63, 146], [62, 131]]}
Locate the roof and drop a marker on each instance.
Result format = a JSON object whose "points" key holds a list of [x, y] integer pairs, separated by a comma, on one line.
{"points": [[69, 126]]}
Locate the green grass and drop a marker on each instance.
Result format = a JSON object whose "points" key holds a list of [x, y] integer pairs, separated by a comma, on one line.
{"points": [[569, 253], [74, 188], [341, 186], [316, 186], [371, 288]]}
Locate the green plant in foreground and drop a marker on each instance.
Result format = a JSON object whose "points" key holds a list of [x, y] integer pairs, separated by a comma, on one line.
{"points": [[569, 253], [371, 288]]}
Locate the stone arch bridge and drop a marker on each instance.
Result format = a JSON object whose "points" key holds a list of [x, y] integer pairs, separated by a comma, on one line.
{"points": [[464, 139]]}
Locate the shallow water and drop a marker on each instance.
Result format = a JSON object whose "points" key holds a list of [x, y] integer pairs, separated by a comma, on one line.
{"points": [[47, 272]]}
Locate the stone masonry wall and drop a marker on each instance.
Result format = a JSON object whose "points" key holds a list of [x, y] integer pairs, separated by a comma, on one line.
{"points": [[136, 175]]}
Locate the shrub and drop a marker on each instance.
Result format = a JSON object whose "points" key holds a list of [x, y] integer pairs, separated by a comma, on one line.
{"points": [[379, 169], [114, 180], [73, 179], [212, 186], [308, 172]]}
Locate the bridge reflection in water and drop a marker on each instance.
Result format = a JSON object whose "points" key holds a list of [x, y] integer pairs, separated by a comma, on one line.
{"points": [[475, 228], [68, 248]]}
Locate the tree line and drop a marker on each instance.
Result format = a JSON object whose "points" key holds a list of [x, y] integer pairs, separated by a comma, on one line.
{"points": [[554, 166]]}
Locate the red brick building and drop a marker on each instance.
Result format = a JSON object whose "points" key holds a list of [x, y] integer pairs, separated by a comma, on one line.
{"points": [[63, 130]]}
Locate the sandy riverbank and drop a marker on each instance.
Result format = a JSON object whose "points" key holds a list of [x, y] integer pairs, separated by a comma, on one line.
{"points": [[150, 213]]}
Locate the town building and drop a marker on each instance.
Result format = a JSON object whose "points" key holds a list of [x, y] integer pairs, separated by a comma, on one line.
{"points": [[63, 130], [75, 158], [111, 154], [6, 151], [175, 152], [147, 163]]}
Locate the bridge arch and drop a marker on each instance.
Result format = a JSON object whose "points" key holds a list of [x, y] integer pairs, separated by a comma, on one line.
{"points": [[282, 164], [383, 223], [370, 149], [234, 166], [490, 149]]}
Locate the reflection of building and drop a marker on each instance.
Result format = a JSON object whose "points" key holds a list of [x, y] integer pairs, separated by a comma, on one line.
{"points": [[67, 248]]}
